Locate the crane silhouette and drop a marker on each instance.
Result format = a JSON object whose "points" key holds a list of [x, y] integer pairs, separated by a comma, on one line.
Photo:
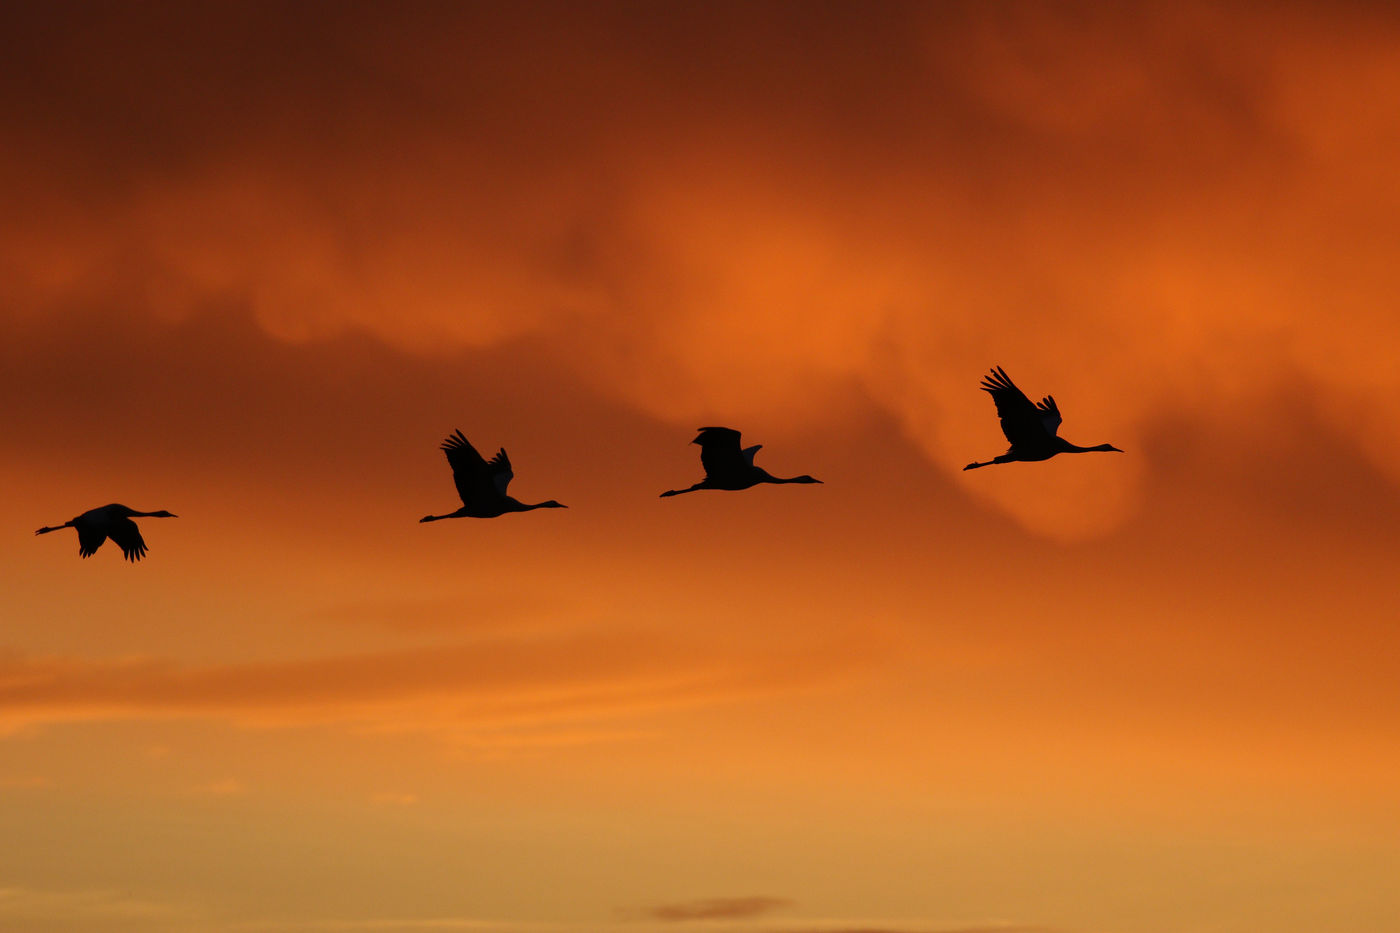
{"points": [[482, 483], [110, 521], [1031, 428], [727, 466]]}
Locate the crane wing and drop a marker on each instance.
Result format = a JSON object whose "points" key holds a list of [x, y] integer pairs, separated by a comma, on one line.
{"points": [[1023, 423], [720, 453], [90, 538], [1049, 414], [472, 475], [128, 537], [501, 473]]}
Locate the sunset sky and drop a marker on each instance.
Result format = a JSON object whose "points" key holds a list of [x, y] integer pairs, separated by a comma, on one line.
{"points": [[257, 260]]}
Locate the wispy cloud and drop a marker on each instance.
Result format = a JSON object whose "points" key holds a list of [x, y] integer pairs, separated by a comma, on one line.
{"points": [[718, 908], [94, 909], [404, 925], [225, 787], [484, 612], [482, 691], [25, 782], [1012, 928]]}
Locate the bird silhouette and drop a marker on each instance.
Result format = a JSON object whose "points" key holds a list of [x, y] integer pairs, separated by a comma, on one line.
{"points": [[482, 483], [110, 521], [727, 466], [1031, 428]]}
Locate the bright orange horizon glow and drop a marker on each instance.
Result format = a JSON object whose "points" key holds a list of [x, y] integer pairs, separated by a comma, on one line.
{"points": [[258, 261]]}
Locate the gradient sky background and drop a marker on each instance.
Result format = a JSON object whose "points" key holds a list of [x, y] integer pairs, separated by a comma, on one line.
{"points": [[256, 262]]}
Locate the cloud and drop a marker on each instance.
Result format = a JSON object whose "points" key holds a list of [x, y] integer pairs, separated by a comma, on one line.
{"points": [[490, 611], [105, 909], [736, 211], [1014, 928], [25, 782], [393, 924], [487, 692], [719, 908], [1009, 928]]}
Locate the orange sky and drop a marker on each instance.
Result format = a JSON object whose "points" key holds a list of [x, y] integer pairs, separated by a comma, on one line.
{"points": [[257, 262]]}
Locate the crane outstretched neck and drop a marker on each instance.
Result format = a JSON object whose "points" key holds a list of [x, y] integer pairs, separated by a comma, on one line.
{"points": [[1076, 449], [47, 528]]}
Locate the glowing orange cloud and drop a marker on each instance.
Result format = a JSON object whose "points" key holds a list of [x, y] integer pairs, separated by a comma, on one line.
{"points": [[1130, 250]]}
